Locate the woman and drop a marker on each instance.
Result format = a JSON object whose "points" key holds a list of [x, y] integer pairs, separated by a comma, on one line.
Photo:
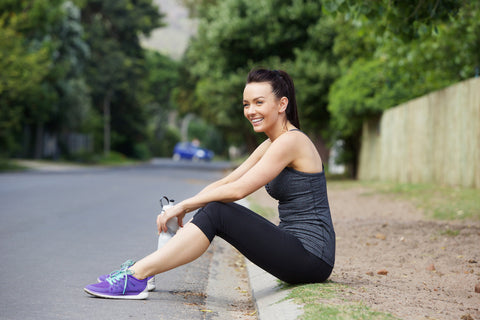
{"points": [[301, 249]]}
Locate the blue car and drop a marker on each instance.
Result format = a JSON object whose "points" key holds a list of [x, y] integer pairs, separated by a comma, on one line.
{"points": [[189, 151]]}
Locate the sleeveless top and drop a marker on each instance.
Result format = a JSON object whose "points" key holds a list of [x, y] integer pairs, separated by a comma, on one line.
{"points": [[304, 210]]}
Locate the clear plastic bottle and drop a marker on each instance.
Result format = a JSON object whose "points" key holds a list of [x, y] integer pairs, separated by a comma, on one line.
{"points": [[172, 228], [172, 224]]}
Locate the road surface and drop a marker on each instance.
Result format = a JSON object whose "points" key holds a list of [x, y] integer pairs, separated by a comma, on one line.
{"points": [[59, 230]]}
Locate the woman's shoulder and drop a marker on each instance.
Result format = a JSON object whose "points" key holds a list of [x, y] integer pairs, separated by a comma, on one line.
{"points": [[293, 138], [289, 144], [264, 145], [306, 157], [261, 149]]}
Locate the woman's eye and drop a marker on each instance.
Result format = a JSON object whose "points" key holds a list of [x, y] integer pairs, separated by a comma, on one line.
{"points": [[259, 102], [245, 105]]}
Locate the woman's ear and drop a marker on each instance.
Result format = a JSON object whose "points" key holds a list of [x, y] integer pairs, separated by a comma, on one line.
{"points": [[283, 104]]}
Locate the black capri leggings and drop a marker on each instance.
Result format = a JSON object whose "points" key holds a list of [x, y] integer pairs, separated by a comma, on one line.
{"points": [[262, 242]]}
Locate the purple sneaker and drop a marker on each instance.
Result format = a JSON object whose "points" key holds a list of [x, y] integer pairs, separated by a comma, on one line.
{"points": [[127, 264], [122, 285], [124, 266]]}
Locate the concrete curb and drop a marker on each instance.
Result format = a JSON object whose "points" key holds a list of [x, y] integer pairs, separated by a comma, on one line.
{"points": [[268, 297]]}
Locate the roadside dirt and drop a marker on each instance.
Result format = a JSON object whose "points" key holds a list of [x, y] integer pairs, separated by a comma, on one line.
{"points": [[393, 259]]}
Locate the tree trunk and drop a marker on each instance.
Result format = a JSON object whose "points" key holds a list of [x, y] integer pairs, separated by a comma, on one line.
{"points": [[322, 148], [106, 122], [251, 142], [352, 144], [38, 141]]}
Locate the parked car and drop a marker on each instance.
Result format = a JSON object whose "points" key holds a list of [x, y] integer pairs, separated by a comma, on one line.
{"points": [[190, 151]]}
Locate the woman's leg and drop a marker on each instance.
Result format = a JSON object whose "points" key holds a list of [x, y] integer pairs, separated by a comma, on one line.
{"points": [[262, 242], [265, 244], [187, 245]]}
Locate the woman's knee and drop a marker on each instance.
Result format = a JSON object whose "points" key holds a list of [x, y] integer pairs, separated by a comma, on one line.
{"points": [[217, 211], [213, 206], [208, 219]]}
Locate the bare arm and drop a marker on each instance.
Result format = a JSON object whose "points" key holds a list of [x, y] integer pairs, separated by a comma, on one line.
{"points": [[238, 172], [260, 168]]}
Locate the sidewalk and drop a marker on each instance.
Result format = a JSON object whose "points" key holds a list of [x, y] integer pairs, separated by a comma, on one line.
{"points": [[48, 165]]}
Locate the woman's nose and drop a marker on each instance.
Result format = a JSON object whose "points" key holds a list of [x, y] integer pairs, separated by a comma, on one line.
{"points": [[250, 110]]}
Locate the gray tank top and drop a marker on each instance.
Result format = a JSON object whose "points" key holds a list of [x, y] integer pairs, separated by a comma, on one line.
{"points": [[304, 210]]}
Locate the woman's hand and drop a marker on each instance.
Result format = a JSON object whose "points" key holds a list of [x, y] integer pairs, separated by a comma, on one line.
{"points": [[169, 213]]}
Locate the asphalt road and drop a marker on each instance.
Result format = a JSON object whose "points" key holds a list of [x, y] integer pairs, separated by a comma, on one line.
{"points": [[59, 230]]}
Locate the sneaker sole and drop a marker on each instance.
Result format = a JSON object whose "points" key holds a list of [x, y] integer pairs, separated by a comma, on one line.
{"points": [[141, 296], [151, 287], [151, 284]]}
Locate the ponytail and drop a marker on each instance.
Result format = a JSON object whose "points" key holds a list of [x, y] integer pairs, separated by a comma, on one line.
{"points": [[282, 86]]}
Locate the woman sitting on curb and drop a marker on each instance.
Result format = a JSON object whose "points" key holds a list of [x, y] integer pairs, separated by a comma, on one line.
{"points": [[301, 249]]}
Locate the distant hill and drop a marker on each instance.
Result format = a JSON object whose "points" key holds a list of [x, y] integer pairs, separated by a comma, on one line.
{"points": [[172, 39]]}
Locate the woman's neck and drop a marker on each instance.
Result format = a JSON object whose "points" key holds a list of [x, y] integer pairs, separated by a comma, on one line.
{"points": [[277, 132]]}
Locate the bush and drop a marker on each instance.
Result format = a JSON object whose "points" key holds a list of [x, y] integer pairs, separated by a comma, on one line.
{"points": [[82, 156], [162, 145], [141, 151]]}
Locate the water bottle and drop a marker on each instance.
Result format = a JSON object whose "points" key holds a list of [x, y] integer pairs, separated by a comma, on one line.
{"points": [[172, 228], [172, 224]]}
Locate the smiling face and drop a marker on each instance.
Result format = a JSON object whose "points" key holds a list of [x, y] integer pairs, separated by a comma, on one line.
{"points": [[263, 109]]}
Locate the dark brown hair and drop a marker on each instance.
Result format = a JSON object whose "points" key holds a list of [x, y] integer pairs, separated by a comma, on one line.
{"points": [[282, 86]]}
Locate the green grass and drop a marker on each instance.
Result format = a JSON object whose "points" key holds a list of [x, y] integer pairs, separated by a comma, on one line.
{"points": [[313, 291], [441, 202], [438, 202], [450, 233], [340, 312], [266, 212], [114, 159], [7, 165], [321, 301]]}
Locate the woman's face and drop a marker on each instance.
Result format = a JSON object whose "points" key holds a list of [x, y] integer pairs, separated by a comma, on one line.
{"points": [[260, 106]]}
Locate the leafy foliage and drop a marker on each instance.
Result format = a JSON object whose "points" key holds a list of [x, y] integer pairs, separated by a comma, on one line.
{"points": [[77, 66], [350, 59], [116, 67], [22, 73], [60, 58], [236, 35], [393, 51], [163, 78], [34, 65], [399, 18]]}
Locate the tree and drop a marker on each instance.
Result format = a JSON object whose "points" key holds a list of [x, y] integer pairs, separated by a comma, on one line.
{"points": [[163, 78], [398, 18], [34, 102], [22, 72], [407, 49], [72, 108], [236, 35], [116, 67], [56, 66], [197, 8]]}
